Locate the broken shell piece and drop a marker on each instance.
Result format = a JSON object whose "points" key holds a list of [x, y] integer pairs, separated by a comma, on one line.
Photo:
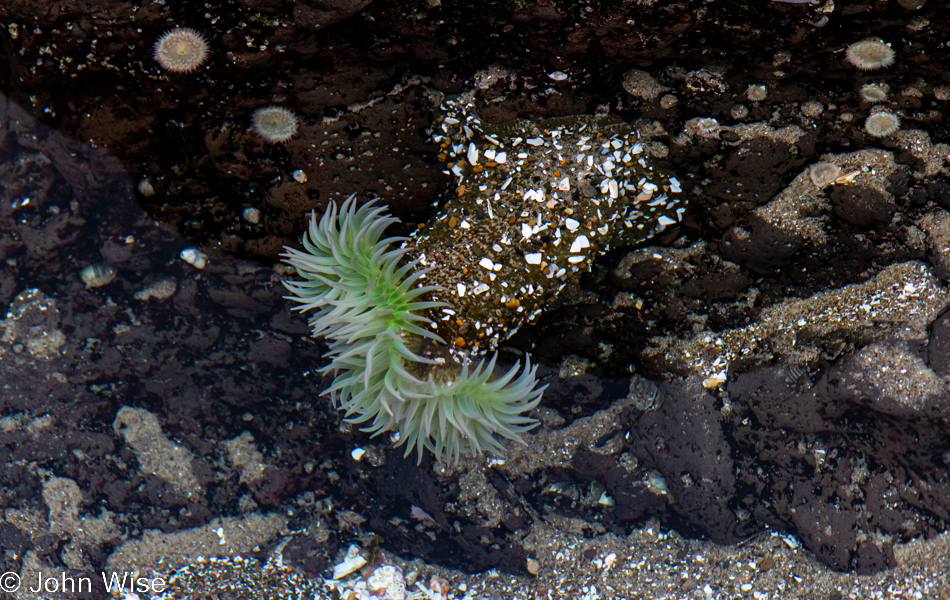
{"points": [[714, 381], [439, 585], [351, 562], [580, 242], [847, 178]]}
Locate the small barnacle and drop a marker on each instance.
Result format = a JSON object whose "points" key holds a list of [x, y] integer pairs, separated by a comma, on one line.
{"points": [[812, 109], [942, 93], [641, 84], [706, 127], [756, 93]]}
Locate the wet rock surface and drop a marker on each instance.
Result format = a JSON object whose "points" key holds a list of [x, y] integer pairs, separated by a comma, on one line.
{"points": [[779, 361]]}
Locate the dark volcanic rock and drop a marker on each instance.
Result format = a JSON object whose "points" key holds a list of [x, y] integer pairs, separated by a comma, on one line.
{"points": [[803, 403]]}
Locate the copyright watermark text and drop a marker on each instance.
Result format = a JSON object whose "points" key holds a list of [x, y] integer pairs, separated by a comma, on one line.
{"points": [[114, 582]]}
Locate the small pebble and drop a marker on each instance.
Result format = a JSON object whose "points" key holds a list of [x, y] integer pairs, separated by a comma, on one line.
{"points": [[194, 257], [97, 275], [533, 566], [252, 215], [145, 188], [161, 290]]}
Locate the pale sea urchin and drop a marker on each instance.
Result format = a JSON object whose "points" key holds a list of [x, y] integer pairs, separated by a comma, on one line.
{"points": [[368, 302], [275, 124], [181, 50]]}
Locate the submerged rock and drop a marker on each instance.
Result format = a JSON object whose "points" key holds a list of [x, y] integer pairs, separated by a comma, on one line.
{"points": [[534, 205]]}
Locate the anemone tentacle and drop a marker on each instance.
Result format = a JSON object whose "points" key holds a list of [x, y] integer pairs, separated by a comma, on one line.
{"points": [[369, 303]]}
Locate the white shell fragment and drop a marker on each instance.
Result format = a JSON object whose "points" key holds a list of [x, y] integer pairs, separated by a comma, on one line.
{"points": [[580, 242], [472, 154], [613, 189], [351, 562], [299, 176], [194, 257], [715, 380]]}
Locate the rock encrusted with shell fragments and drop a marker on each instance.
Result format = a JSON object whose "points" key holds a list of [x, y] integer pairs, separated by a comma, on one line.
{"points": [[534, 205], [904, 296]]}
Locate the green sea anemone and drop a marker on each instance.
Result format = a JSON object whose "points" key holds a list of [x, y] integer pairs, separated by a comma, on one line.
{"points": [[392, 371]]}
